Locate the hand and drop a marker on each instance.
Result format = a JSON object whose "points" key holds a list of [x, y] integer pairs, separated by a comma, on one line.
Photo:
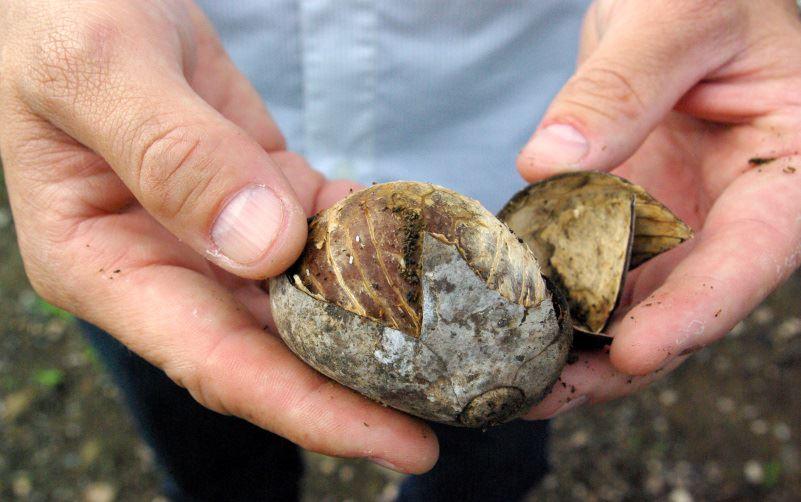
{"points": [[150, 192], [678, 96]]}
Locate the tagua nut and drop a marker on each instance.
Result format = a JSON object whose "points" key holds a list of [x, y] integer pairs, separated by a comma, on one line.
{"points": [[419, 298]]}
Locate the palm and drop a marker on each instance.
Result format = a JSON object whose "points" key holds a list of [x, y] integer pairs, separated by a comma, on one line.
{"points": [[702, 172]]}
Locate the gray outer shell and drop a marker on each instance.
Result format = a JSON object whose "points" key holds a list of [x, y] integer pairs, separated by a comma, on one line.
{"points": [[472, 341]]}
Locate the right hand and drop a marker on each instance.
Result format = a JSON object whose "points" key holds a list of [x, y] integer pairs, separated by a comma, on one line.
{"points": [[151, 190]]}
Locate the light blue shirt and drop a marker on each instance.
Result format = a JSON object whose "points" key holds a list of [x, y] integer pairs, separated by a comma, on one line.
{"points": [[443, 91]]}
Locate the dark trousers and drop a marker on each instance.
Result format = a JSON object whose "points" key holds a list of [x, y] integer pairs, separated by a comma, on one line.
{"points": [[208, 456]]}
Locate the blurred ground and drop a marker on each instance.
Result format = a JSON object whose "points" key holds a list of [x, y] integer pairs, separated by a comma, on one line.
{"points": [[724, 427]]}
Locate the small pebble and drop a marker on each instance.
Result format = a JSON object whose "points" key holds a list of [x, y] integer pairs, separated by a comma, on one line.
{"points": [[90, 451], [789, 328], [390, 492], [680, 495], [759, 427], [668, 397], [346, 474], [27, 299], [782, 432], [725, 404], [654, 484], [74, 359], [580, 491], [21, 485], [753, 472], [579, 438], [327, 465], [763, 315], [145, 455], [722, 364], [16, 403], [99, 492]]}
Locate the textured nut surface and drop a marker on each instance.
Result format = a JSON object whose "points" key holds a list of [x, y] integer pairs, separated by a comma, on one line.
{"points": [[363, 254]]}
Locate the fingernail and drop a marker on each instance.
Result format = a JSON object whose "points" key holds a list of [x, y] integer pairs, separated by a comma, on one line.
{"points": [[570, 405], [384, 463], [557, 145], [248, 224]]}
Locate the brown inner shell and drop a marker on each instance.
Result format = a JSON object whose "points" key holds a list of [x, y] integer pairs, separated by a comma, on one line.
{"points": [[587, 230], [363, 254]]}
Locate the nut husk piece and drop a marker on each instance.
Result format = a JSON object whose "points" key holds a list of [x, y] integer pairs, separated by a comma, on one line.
{"points": [[477, 342], [587, 229]]}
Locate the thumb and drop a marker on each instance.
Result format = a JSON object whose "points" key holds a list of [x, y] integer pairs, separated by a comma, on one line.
{"points": [[197, 173], [646, 56]]}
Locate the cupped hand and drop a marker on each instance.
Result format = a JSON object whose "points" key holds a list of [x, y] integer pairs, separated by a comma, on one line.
{"points": [[700, 102], [151, 191]]}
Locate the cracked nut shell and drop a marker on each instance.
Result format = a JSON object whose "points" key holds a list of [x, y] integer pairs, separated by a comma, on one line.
{"points": [[419, 298], [587, 229]]}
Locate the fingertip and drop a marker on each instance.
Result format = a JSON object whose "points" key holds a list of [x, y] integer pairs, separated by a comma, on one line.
{"points": [[553, 149], [420, 447], [636, 359], [427, 455]]}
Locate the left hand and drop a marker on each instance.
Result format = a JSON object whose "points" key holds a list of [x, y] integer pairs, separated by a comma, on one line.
{"points": [[678, 96]]}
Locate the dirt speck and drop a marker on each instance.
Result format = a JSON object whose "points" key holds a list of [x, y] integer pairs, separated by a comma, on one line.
{"points": [[760, 161]]}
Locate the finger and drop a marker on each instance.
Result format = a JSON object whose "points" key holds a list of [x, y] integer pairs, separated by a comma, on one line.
{"points": [[590, 380], [650, 54], [738, 258], [333, 191], [216, 79], [305, 181], [197, 173]]}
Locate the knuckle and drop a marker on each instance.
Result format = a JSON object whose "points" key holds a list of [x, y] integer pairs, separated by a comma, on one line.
{"points": [[173, 171], [605, 91]]}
